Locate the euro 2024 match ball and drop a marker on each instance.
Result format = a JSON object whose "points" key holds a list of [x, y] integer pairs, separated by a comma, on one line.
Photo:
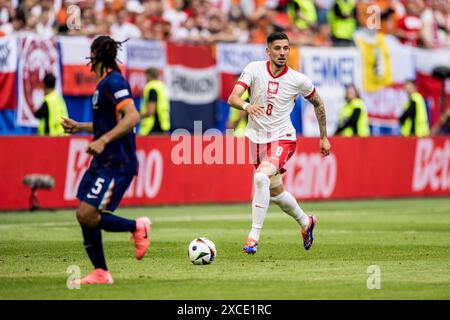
{"points": [[202, 251]]}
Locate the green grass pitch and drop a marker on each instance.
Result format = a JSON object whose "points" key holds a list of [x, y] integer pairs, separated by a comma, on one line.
{"points": [[408, 239]]}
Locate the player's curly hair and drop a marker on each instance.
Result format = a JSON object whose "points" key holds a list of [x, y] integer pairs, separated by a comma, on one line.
{"points": [[104, 51]]}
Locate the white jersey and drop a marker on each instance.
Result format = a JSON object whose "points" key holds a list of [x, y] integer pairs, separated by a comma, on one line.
{"points": [[276, 94]]}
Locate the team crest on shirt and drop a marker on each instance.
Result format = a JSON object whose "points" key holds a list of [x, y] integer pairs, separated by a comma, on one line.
{"points": [[95, 99], [272, 87]]}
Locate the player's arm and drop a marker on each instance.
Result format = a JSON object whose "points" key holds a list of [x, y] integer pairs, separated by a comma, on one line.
{"points": [[235, 101], [72, 126], [319, 109], [129, 120]]}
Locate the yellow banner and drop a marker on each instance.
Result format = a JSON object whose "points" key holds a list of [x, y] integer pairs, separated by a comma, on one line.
{"points": [[377, 67]]}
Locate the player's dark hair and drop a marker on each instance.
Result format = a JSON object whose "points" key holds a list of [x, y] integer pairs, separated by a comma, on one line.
{"points": [[49, 81], [104, 51], [412, 81], [276, 36]]}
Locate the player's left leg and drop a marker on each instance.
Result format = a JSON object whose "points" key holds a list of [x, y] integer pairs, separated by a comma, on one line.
{"points": [[111, 197], [286, 201], [280, 153]]}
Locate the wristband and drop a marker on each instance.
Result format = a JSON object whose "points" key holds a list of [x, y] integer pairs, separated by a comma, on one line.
{"points": [[245, 105]]}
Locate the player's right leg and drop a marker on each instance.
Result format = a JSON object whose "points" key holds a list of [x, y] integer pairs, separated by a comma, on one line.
{"points": [[88, 217], [260, 203]]}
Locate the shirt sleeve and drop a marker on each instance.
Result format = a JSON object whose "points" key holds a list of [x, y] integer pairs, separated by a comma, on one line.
{"points": [[409, 113], [120, 92], [351, 122], [42, 112], [306, 87], [152, 96], [246, 77]]}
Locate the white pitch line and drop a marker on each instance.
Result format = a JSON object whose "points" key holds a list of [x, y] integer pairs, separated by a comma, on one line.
{"points": [[184, 218], [37, 224], [209, 217]]}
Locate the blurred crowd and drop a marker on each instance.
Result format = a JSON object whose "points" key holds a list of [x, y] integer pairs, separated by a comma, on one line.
{"points": [[422, 23]]}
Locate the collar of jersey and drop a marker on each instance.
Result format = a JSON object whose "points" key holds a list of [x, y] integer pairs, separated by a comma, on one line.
{"points": [[104, 75], [281, 73]]}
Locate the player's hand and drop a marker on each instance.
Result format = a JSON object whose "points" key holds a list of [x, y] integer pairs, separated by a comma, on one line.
{"points": [[255, 110], [70, 126], [96, 147], [324, 147]]}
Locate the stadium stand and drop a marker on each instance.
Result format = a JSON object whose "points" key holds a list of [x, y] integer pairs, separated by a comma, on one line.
{"points": [[202, 21]]}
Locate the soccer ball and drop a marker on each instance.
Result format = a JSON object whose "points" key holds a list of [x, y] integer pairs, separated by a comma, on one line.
{"points": [[202, 251]]}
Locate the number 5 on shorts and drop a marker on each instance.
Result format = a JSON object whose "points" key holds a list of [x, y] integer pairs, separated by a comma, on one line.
{"points": [[98, 186]]}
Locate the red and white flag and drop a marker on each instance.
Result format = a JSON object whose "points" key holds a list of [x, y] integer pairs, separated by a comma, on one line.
{"points": [[78, 79], [8, 69], [38, 56]]}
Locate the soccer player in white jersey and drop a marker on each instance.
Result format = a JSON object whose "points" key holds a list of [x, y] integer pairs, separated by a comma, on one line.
{"points": [[273, 88]]}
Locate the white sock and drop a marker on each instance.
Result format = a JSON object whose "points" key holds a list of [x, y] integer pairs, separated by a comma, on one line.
{"points": [[260, 203], [288, 204]]}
